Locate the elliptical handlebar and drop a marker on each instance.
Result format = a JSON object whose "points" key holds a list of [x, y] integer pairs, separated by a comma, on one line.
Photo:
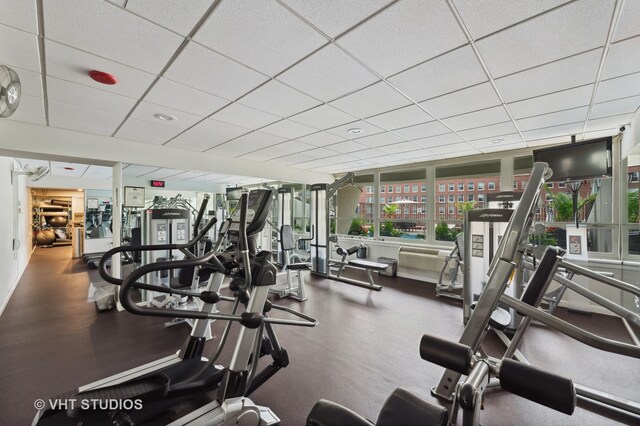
{"points": [[203, 208], [102, 266], [242, 237]]}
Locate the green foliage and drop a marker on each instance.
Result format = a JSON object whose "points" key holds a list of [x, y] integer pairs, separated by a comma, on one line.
{"points": [[465, 206], [332, 226], [443, 233], [357, 228], [390, 210], [632, 206], [387, 230]]}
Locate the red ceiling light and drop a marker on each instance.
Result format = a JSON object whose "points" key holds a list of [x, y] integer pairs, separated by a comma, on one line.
{"points": [[69, 168], [103, 77]]}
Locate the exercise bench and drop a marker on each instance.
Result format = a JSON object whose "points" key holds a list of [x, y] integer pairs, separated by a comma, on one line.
{"points": [[361, 264]]}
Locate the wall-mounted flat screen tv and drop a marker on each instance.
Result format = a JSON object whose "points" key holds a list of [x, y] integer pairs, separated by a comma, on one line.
{"points": [[576, 161], [234, 194]]}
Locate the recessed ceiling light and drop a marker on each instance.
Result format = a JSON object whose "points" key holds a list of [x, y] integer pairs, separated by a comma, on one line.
{"points": [[164, 117], [355, 131], [496, 141]]}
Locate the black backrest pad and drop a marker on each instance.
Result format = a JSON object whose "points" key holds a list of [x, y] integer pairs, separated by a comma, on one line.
{"points": [[404, 408], [535, 288], [286, 238]]}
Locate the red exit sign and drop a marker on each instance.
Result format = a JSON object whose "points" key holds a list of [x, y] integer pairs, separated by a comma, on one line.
{"points": [[157, 183]]}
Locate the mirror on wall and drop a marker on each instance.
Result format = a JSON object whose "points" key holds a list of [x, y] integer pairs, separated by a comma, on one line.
{"points": [[98, 208]]}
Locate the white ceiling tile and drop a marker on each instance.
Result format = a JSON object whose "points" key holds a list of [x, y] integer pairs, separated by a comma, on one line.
{"points": [[441, 75], [137, 170], [553, 119], [310, 155], [439, 140], [87, 97], [399, 147], [288, 129], [502, 147], [544, 38], [375, 99], [402, 117], [279, 99], [73, 65], [98, 172], [403, 35], [328, 74], [178, 96], [323, 117], [553, 132], [424, 130], [456, 148], [103, 29], [59, 168], [246, 144], [211, 72], [628, 23], [620, 87], [147, 131], [19, 49], [86, 120], [32, 162], [612, 123], [466, 100], [31, 110], [145, 111], [30, 82], [367, 130], [19, 14], [489, 131], [481, 118], [193, 176], [307, 165], [565, 99], [560, 75], [505, 141], [321, 139], [617, 107], [486, 17], [260, 34], [207, 134], [623, 58], [596, 134], [275, 151], [162, 173], [339, 17], [179, 16], [244, 116], [380, 139], [347, 146]]}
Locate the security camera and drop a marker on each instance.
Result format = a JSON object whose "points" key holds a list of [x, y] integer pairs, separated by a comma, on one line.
{"points": [[622, 128]]}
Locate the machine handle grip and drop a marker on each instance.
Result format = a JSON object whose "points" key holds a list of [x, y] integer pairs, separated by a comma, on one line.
{"points": [[537, 385], [451, 355], [203, 208]]}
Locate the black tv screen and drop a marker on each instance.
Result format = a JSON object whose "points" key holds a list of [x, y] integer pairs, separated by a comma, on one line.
{"points": [[575, 161], [234, 194]]}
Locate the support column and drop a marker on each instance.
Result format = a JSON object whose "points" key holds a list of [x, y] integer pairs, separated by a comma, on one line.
{"points": [[116, 223], [506, 173]]}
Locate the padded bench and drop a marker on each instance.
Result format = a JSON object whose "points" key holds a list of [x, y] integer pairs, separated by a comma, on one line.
{"points": [[366, 265]]}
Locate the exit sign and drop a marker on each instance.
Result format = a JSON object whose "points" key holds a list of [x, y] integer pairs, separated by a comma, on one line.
{"points": [[157, 183]]}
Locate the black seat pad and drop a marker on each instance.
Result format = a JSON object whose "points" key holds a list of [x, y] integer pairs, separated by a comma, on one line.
{"points": [[298, 266]]}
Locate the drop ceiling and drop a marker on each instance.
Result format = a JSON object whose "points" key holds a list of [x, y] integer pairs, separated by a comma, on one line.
{"points": [[133, 172], [283, 81]]}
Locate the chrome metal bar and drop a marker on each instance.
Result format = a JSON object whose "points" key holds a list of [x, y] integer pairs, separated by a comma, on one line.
{"points": [[602, 278], [515, 353], [632, 333], [602, 301], [588, 393], [571, 330]]}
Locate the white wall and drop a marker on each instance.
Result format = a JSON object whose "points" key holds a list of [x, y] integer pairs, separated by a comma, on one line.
{"points": [[14, 217]]}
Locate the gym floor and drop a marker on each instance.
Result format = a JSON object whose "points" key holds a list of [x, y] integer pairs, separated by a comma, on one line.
{"points": [[52, 340]]}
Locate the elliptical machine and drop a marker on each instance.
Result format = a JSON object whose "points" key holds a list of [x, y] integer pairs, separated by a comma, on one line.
{"points": [[144, 394]]}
